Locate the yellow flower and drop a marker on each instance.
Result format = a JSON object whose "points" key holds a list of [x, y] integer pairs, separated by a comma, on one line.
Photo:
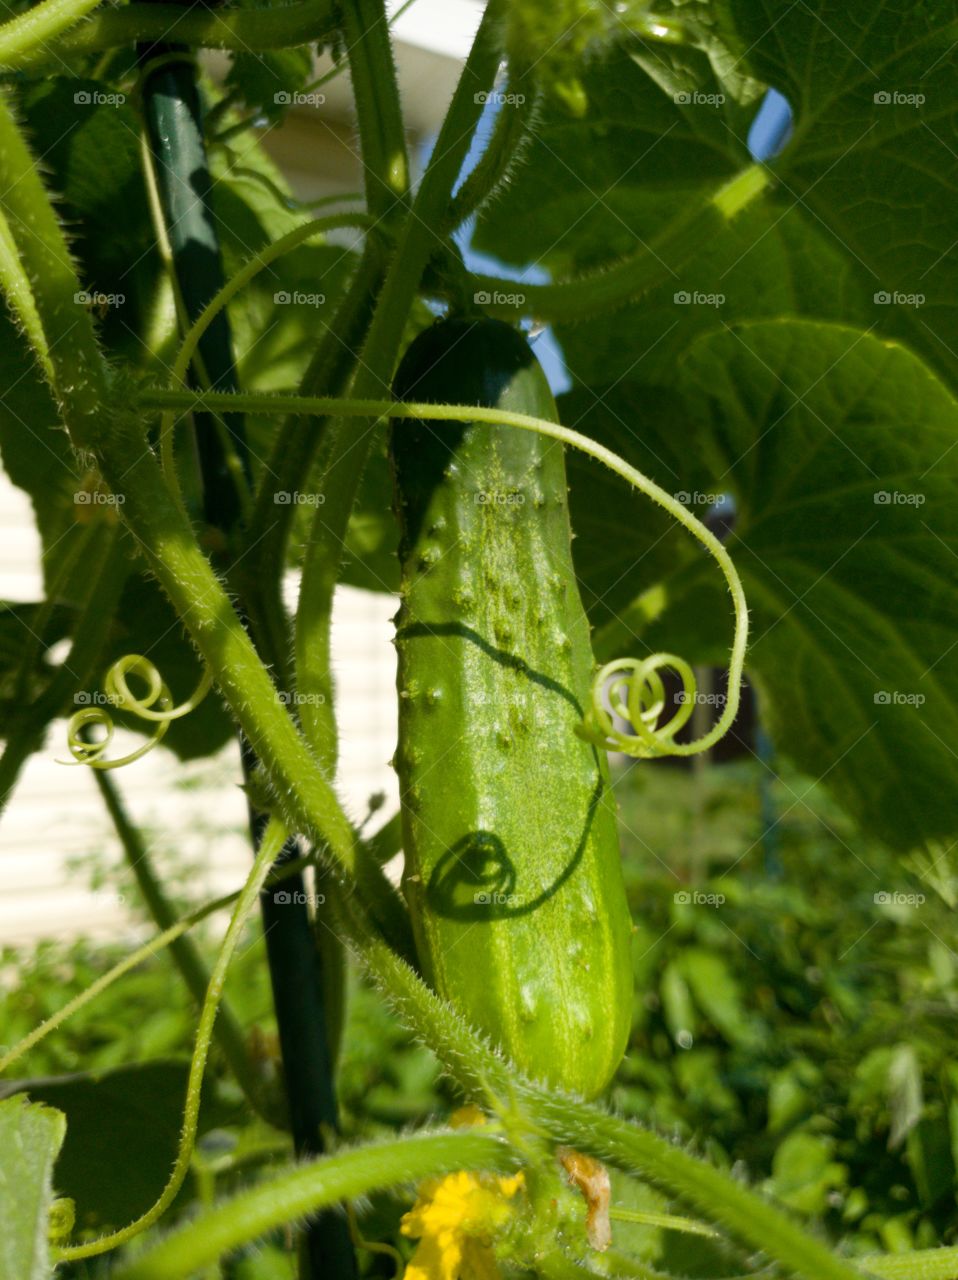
{"points": [[456, 1219]]}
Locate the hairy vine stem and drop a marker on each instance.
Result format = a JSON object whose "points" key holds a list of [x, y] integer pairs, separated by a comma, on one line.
{"points": [[79, 372], [243, 30], [649, 265], [303, 1190]]}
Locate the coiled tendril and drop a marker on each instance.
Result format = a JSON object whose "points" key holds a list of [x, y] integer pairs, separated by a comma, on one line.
{"points": [[634, 691], [156, 705]]}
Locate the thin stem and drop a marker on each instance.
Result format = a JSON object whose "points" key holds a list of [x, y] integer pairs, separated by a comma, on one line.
{"points": [[184, 952], [79, 371], [265, 856], [379, 409], [667, 1221], [372, 70], [16, 286], [244, 30], [296, 1192], [294, 450], [511, 124]]}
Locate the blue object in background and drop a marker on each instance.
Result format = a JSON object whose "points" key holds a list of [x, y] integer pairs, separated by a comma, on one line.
{"points": [[771, 128]]}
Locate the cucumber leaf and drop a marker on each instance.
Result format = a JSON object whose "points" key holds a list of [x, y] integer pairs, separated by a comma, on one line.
{"points": [[30, 1137], [839, 452]]}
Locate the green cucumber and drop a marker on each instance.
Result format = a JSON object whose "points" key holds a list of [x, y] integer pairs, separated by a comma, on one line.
{"points": [[513, 872]]}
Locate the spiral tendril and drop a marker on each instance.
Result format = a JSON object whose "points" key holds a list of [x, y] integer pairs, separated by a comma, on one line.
{"points": [[155, 705], [632, 689]]}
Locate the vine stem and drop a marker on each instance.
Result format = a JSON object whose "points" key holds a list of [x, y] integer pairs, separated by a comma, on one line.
{"points": [[244, 30], [16, 286], [79, 371], [45, 21], [650, 265], [303, 1190], [378, 410], [266, 854]]}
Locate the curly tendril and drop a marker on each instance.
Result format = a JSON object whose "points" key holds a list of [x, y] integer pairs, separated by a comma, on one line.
{"points": [[156, 705], [635, 692]]}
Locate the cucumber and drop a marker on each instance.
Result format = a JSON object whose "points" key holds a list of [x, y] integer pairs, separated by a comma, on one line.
{"points": [[512, 864]]}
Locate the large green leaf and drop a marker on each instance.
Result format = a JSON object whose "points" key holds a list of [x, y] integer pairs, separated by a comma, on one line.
{"points": [[590, 187], [872, 160], [30, 1137], [839, 450]]}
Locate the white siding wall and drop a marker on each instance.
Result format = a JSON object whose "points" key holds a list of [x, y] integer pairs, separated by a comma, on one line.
{"points": [[192, 814]]}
